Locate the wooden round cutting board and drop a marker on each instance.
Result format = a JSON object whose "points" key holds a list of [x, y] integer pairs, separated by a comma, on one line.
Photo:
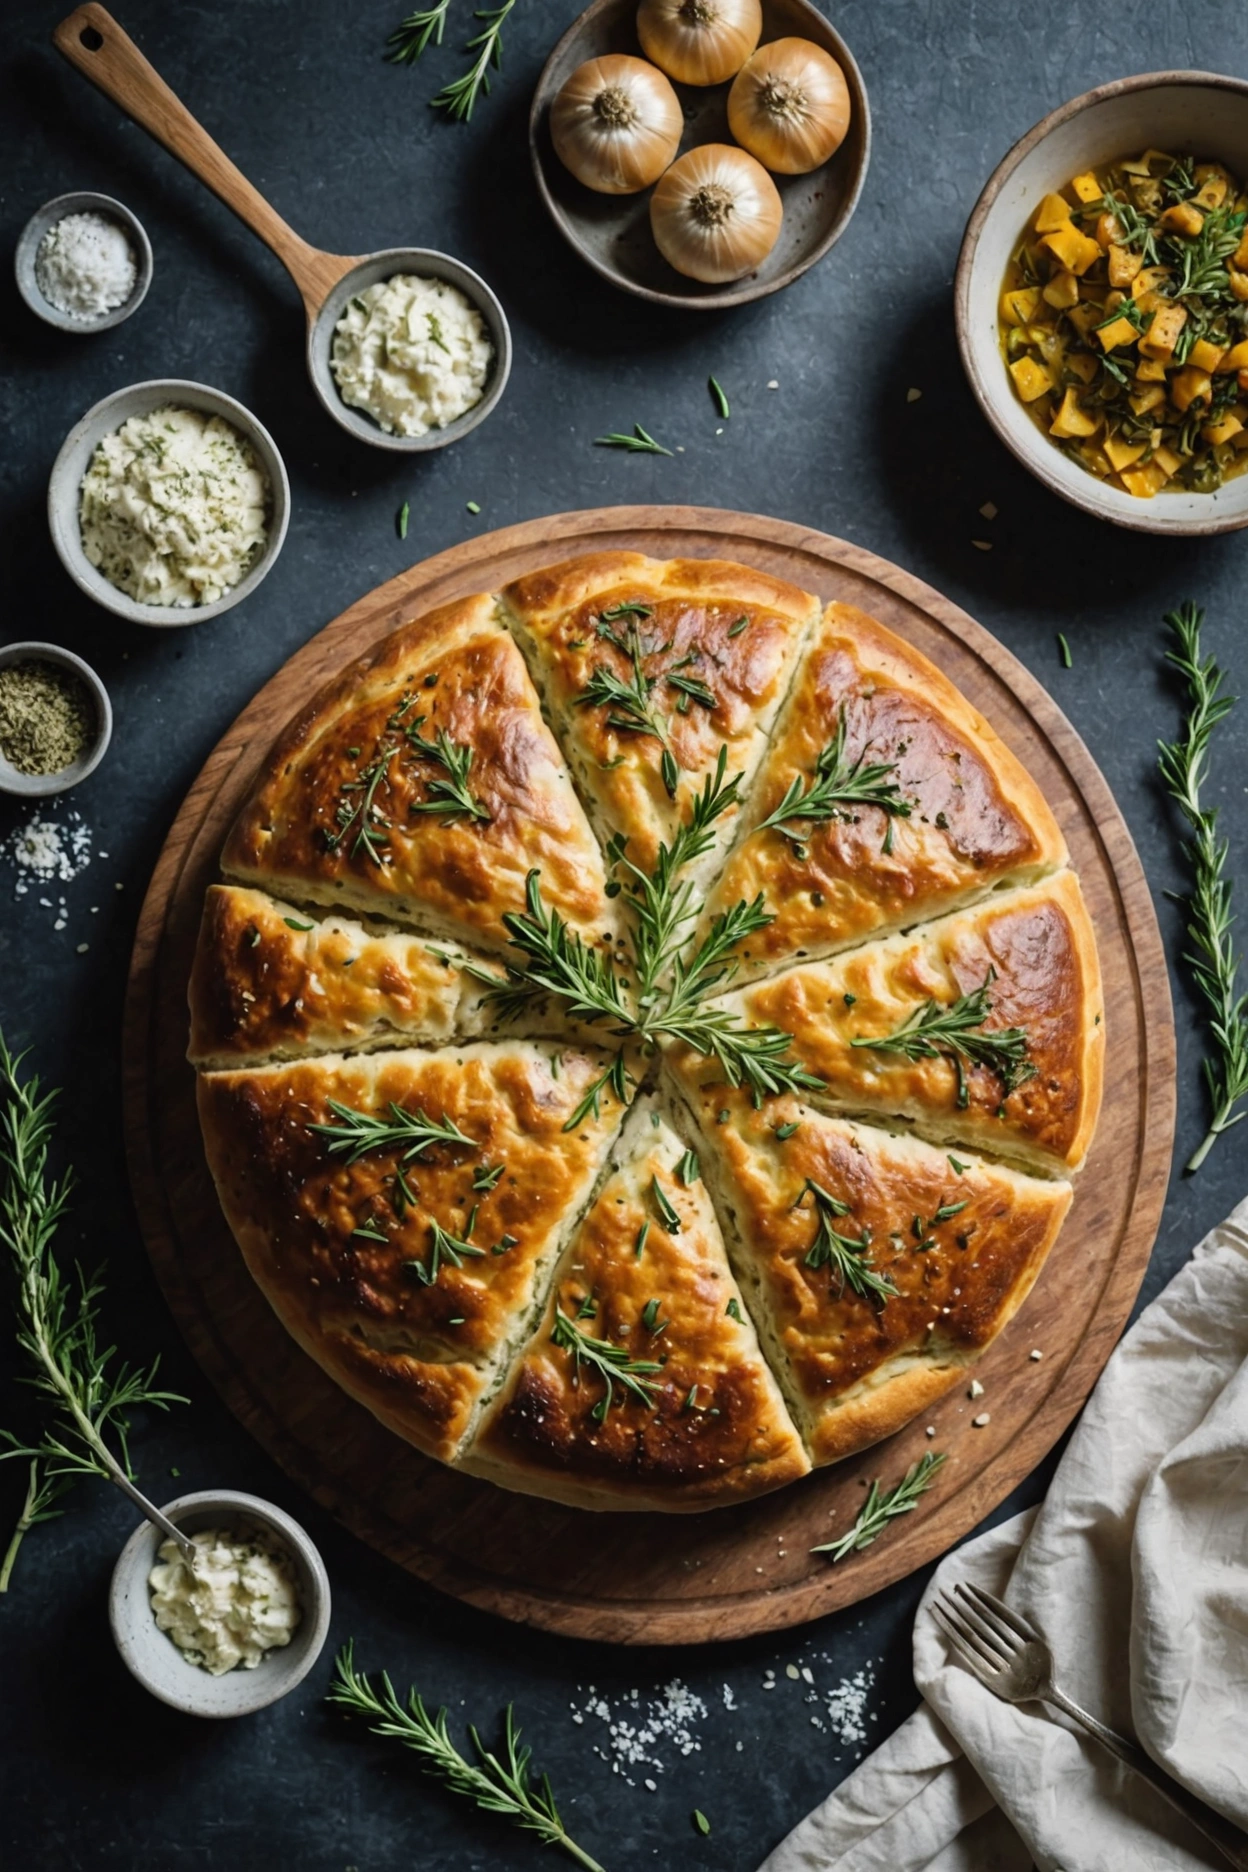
{"points": [[651, 1579]]}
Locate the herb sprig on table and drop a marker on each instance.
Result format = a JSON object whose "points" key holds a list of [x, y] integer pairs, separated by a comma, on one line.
{"points": [[426, 26], [499, 1785], [1184, 766], [85, 1392], [881, 1508]]}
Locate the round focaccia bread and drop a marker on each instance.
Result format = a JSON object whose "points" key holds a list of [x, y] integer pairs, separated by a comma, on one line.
{"points": [[644, 1033]]}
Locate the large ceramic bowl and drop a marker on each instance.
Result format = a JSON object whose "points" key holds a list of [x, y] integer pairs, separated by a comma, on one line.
{"points": [[153, 1658], [612, 232], [71, 465], [1185, 112]]}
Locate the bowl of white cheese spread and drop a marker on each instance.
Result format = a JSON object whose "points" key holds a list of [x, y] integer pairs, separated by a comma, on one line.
{"points": [[236, 1628], [83, 262], [168, 503]]}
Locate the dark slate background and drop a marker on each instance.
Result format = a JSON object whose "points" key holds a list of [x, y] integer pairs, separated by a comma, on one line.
{"points": [[94, 1774]]}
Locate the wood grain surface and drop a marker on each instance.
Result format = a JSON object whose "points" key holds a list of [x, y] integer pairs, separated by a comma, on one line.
{"points": [[650, 1579]]}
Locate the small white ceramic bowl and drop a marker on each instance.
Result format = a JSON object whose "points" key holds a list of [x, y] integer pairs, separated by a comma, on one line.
{"points": [[1186, 112], [40, 786], [71, 465], [153, 1658], [84, 201]]}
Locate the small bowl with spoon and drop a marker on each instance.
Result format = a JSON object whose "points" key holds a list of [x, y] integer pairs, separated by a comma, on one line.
{"points": [[95, 45]]}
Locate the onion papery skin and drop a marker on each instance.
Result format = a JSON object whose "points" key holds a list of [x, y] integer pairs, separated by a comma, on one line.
{"points": [[715, 180], [596, 138], [699, 42], [790, 106]]}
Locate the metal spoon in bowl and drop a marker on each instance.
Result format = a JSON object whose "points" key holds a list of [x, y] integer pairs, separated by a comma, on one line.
{"points": [[91, 40], [186, 1546]]}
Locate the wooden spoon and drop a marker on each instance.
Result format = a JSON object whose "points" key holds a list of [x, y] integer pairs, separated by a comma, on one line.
{"points": [[91, 40]]}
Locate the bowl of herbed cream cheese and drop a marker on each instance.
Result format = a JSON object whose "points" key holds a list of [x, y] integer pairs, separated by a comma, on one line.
{"points": [[236, 1627], [168, 503]]}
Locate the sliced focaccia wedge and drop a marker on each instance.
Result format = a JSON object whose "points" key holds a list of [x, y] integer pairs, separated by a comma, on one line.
{"points": [[648, 668], [271, 981], [643, 1385], [406, 1259], [423, 785], [989, 1022], [876, 1270], [885, 799]]}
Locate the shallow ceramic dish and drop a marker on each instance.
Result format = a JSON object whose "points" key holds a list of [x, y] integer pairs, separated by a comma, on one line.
{"points": [[153, 1658], [612, 232], [1196, 113], [41, 786], [83, 202], [71, 465]]}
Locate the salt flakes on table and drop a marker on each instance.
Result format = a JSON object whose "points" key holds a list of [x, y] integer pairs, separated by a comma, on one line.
{"points": [[45, 849]]}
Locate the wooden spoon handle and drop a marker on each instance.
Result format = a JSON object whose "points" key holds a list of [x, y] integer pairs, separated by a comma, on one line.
{"points": [[91, 40]]}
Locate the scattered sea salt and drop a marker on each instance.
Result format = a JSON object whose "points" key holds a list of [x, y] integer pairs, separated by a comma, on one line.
{"points": [[45, 849], [637, 1730], [730, 1701]]}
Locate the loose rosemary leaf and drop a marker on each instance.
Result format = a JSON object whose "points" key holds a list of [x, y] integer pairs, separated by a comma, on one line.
{"points": [[84, 1393], [1212, 958], [608, 1361], [495, 1786], [639, 443], [879, 1509], [615, 1079], [411, 1133], [451, 797]]}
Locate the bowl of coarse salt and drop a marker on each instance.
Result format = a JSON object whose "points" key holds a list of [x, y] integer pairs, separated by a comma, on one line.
{"points": [[83, 262]]}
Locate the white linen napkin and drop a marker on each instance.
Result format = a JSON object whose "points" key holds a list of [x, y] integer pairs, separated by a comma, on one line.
{"points": [[1135, 1567]]}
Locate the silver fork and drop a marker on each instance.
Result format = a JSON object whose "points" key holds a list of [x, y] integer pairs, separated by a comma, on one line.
{"points": [[1013, 1660]]}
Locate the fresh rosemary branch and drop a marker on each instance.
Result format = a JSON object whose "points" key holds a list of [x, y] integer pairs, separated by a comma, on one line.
{"points": [[409, 40], [848, 1259], [451, 797], [86, 1394], [493, 1785], [639, 442], [458, 98], [878, 1510], [1184, 766], [935, 1030], [837, 784], [611, 1362], [628, 705], [365, 818], [412, 1133], [560, 964]]}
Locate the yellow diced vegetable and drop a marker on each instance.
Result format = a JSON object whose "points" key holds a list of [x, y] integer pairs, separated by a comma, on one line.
{"points": [[1163, 331], [1145, 482], [1086, 317], [1083, 364], [1073, 421], [1123, 264], [1183, 218], [1222, 430], [1205, 356], [1241, 378], [1144, 400], [1239, 258], [1122, 331], [1062, 291], [1239, 282], [1053, 212], [1123, 454], [1108, 229], [1166, 458], [1189, 385], [1075, 251], [1148, 279], [1031, 380], [1021, 305], [1150, 370], [1212, 190], [1086, 187], [1234, 359]]}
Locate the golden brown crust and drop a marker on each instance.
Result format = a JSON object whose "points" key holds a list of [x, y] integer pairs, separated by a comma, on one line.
{"points": [[422, 1357], [716, 1432], [978, 820], [459, 670], [854, 1370], [1035, 949], [692, 629]]}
